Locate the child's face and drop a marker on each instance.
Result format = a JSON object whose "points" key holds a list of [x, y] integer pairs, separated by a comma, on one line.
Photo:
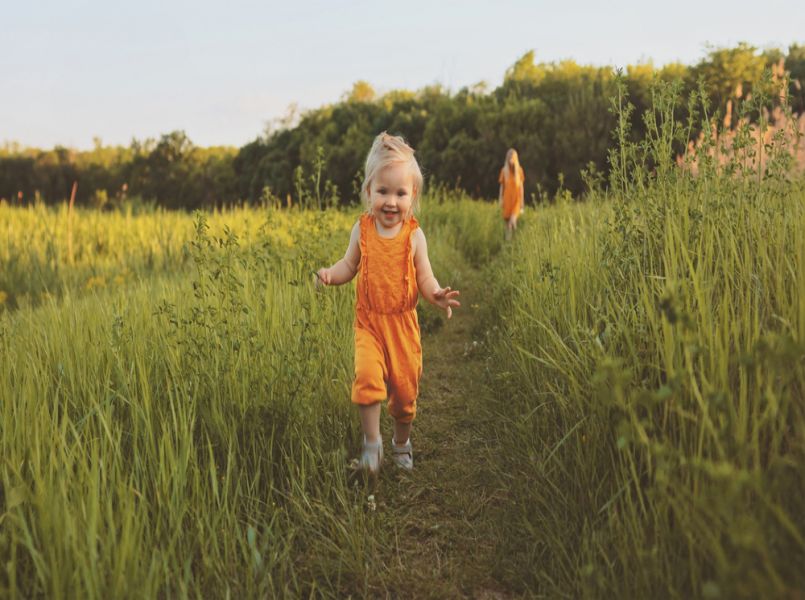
{"points": [[391, 194]]}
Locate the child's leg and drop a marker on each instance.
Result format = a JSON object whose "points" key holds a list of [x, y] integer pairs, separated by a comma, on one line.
{"points": [[402, 431], [370, 421], [372, 453], [369, 386], [404, 355], [404, 382]]}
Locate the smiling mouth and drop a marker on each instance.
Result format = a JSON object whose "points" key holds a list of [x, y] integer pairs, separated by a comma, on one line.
{"points": [[390, 212]]}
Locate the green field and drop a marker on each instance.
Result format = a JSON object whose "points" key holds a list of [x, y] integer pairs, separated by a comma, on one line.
{"points": [[618, 408]]}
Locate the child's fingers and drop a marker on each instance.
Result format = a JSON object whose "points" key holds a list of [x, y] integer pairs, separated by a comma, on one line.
{"points": [[448, 307], [322, 277]]}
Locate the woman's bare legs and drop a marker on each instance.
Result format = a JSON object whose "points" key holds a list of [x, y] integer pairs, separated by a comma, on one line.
{"points": [[511, 226]]}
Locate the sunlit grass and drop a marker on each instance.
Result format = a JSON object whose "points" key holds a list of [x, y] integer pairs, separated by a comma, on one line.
{"points": [[186, 431], [650, 367]]}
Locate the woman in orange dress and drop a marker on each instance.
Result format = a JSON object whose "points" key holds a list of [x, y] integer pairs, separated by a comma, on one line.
{"points": [[510, 196]]}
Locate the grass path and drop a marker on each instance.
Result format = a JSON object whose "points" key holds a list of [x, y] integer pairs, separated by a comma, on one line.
{"points": [[437, 517]]}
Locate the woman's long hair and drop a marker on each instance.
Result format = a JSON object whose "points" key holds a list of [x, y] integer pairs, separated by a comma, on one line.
{"points": [[511, 166]]}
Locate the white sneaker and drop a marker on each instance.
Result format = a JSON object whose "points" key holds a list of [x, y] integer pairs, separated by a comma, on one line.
{"points": [[403, 456], [371, 456]]}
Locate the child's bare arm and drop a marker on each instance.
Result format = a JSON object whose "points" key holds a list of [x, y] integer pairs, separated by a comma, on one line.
{"points": [[345, 269], [426, 282]]}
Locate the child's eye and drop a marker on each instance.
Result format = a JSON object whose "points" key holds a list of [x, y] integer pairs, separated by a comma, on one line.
{"points": [[402, 193], [381, 190]]}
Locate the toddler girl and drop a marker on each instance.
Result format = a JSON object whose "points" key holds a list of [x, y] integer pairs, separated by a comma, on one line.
{"points": [[388, 252]]}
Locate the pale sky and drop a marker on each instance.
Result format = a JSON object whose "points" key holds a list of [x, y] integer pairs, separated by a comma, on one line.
{"points": [[72, 70]]}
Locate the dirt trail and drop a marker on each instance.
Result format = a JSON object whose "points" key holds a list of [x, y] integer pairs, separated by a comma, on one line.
{"points": [[439, 514]]}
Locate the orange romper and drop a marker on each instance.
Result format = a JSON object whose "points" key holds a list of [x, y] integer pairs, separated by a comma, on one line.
{"points": [[388, 352], [511, 192]]}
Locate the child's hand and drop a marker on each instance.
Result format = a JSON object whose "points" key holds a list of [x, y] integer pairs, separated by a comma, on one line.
{"points": [[445, 298], [323, 277]]}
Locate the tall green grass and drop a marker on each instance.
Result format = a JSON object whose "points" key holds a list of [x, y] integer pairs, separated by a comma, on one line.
{"points": [[650, 366], [185, 432], [184, 436], [49, 251]]}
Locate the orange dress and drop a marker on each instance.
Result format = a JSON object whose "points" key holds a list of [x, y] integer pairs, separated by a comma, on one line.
{"points": [[388, 351], [511, 192]]}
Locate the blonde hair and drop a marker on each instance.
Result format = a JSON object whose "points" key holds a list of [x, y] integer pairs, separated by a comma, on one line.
{"points": [[511, 157], [389, 150]]}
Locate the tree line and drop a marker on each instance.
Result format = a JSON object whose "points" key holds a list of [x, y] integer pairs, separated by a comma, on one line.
{"points": [[557, 115]]}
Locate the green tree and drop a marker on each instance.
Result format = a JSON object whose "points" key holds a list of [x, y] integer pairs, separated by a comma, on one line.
{"points": [[729, 73]]}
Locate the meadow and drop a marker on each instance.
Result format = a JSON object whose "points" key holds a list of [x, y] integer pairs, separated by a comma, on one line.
{"points": [[175, 418], [653, 424]]}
